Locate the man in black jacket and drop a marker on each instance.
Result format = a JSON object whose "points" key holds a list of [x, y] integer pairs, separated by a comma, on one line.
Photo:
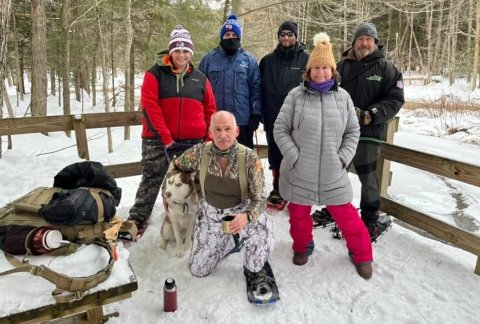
{"points": [[376, 88], [281, 71]]}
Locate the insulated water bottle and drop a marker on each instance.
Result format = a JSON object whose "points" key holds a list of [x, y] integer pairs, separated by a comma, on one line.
{"points": [[170, 295]]}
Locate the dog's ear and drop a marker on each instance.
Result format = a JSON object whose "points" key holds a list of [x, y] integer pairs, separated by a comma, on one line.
{"points": [[171, 166]]}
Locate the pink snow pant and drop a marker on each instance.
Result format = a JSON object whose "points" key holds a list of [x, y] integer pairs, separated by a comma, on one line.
{"points": [[348, 221]]}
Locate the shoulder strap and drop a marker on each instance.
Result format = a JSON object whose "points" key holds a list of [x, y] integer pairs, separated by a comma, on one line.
{"points": [[76, 285], [242, 169], [203, 167]]}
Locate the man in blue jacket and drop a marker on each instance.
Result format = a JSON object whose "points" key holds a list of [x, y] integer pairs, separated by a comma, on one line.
{"points": [[235, 79]]}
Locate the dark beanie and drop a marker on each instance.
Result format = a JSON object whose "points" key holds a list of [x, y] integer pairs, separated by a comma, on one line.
{"points": [[366, 29], [288, 25]]}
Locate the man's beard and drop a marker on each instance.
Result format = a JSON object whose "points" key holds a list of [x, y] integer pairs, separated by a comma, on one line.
{"points": [[363, 52], [287, 45]]}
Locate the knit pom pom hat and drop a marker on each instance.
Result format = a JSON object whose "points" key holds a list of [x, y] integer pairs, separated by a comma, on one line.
{"points": [[231, 25], [322, 54], [180, 40]]}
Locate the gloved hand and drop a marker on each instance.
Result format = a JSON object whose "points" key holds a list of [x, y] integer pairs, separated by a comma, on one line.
{"points": [[364, 116], [254, 122]]}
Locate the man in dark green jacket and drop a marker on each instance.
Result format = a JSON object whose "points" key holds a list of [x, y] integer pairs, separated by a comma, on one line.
{"points": [[281, 71], [376, 88]]}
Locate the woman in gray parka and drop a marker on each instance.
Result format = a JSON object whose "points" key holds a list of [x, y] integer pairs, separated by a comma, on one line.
{"points": [[317, 133]]}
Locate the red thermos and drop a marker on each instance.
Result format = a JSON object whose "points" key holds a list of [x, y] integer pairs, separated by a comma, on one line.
{"points": [[169, 296]]}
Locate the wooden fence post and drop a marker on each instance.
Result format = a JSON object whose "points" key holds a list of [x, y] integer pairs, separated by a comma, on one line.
{"points": [[477, 268], [81, 136], [383, 166]]}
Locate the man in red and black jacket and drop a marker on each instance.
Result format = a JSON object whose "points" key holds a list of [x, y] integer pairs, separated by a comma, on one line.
{"points": [[177, 102]]}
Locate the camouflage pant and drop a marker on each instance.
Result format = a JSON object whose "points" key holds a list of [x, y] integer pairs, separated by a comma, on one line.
{"points": [[211, 244], [154, 167]]}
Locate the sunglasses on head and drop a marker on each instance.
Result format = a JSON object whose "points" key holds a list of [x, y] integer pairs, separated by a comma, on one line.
{"points": [[289, 34]]}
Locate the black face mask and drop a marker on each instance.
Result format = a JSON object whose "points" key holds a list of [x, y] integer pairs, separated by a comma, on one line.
{"points": [[230, 45]]}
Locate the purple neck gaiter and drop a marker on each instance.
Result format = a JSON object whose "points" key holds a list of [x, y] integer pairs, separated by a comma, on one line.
{"points": [[322, 87]]}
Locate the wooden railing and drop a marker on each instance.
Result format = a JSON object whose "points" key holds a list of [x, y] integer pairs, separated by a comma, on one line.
{"points": [[442, 166]]}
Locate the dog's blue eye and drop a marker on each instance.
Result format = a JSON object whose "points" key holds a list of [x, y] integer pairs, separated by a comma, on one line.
{"points": [[178, 184]]}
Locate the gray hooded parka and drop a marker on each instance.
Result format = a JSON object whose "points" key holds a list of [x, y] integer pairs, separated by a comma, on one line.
{"points": [[317, 135]]}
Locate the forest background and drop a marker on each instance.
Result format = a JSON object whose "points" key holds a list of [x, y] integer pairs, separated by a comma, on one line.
{"points": [[71, 45]]}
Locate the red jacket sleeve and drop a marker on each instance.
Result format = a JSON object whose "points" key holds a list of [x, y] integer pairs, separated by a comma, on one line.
{"points": [[209, 107], [151, 104]]}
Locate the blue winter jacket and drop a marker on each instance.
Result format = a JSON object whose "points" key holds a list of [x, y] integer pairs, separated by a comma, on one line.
{"points": [[235, 81]]}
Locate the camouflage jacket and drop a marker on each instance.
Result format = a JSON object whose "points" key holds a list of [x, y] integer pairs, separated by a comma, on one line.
{"points": [[190, 161]]}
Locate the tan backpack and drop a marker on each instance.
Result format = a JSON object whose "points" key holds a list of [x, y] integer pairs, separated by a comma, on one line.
{"points": [[24, 212]]}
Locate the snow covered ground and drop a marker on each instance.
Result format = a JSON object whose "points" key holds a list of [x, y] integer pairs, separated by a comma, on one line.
{"points": [[416, 279]]}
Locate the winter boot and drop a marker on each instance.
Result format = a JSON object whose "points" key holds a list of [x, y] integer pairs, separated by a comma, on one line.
{"points": [[364, 270], [274, 197], [300, 258], [376, 229]]}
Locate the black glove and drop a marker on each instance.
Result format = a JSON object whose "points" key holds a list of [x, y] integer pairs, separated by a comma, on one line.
{"points": [[254, 122], [364, 116]]}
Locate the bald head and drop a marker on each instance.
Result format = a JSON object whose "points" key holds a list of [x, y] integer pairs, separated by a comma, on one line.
{"points": [[223, 129], [224, 116]]}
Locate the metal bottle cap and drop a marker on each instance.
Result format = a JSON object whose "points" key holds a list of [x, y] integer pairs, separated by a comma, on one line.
{"points": [[169, 283]]}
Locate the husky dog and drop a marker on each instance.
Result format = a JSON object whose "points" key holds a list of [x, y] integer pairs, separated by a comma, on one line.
{"points": [[182, 198]]}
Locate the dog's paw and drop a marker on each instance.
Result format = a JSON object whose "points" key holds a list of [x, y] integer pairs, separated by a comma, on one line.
{"points": [[180, 253]]}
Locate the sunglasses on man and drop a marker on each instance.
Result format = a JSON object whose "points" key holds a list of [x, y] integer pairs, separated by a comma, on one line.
{"points": [[289, 34]]}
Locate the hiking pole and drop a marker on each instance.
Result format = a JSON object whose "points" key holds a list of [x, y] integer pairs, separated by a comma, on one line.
{"points": [[256, 142]]}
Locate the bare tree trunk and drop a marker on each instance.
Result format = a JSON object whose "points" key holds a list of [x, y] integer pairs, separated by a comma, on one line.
{"points": [[132, 77], [114, 74], [103, 57], [65, 20], [128, 57], [94, 79], [237, 7], [439, 42], [76, 80], [226, 9], [453, 47], [429, 15], [469, 32], [4, 17], [473, 84], [10, 114], [39, 57], [53, 85], [18, 70], [7, 102]]}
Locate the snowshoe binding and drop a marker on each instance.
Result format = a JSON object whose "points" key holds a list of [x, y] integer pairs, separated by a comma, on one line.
{"points": [[383, 224], [261, 286], [322, 218], [275, 201]]}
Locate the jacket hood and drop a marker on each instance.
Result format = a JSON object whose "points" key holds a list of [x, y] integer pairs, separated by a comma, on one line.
{"points": [[349, 54], [166, 62], [290, 52]]}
